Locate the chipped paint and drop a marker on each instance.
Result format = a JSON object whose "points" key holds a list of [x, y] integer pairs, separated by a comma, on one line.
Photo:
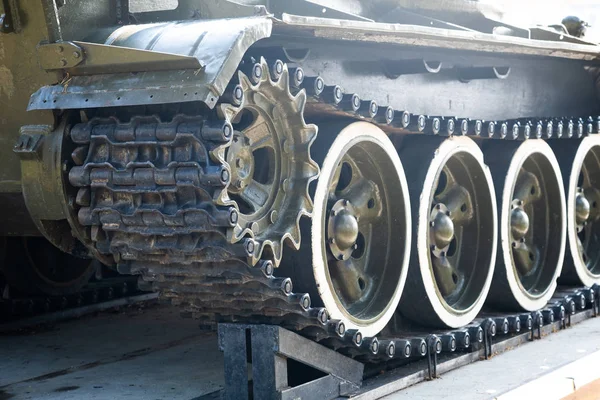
{"points": [[7, 85]]}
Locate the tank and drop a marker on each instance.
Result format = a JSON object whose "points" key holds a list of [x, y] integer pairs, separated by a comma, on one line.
{"points": [[348, 170]]}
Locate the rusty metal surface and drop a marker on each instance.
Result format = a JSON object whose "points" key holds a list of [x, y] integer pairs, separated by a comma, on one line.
{"points": [[219, 45]]}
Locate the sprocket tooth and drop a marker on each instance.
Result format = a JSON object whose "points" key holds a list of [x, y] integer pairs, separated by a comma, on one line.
{"points": [[284, 81]]}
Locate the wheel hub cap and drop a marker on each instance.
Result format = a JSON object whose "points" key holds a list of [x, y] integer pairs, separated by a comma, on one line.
{"points": [[582, 208], [519, 223], [241, 163], [342, 229], [442, 227]]}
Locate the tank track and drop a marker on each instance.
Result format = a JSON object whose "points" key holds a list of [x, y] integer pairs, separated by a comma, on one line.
{"points": [[159, 219]]}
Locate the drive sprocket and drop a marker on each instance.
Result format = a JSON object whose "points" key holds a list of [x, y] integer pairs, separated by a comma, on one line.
{"points": [[270, 163]]}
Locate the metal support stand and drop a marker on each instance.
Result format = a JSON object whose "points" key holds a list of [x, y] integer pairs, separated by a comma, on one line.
{"points": [[432, 359], [271, 349], [488, 334]]}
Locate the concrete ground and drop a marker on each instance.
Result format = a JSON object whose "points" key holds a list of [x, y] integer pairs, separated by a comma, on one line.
{"points": [[151, 353], [141, 353]]}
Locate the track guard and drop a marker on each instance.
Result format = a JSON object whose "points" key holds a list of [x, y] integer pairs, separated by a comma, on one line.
{"points": [[219, 46]]}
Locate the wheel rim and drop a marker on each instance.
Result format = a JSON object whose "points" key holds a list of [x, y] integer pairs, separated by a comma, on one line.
{"points": [[361, 229], [583, 218], [458, 216], [533, 224]]}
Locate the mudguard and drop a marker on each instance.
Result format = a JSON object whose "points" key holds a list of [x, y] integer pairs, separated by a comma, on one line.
{"points": [[218, 45]]}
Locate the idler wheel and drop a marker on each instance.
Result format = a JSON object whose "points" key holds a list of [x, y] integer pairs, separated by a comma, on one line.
{"points": [[532, 222], [454, 230], [361, 228], [580, 161]]}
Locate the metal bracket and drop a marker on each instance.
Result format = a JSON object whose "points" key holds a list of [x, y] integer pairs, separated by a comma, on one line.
{"points": [[488, 333], [83, 58], [432, 359], [269, 348], [28, 145], [59, 55]]}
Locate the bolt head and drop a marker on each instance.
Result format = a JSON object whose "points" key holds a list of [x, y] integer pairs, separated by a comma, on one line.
{"points": [[227, 130], [405, 118], [323, 317], [391, 349], [389, 112], [268, 268], [287, 286], [338, 93], [224, 176], [358, 338], [319, 84], [375, 346], [233, 216], [306, 301]]}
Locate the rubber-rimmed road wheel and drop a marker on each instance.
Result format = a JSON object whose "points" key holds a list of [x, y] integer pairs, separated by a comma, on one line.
{"points": [[532, 223], [580, 162], [454, 230], [361, 228]]}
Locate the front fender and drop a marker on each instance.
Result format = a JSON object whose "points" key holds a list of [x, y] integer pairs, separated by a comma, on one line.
{"points": [[219, 46]]}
